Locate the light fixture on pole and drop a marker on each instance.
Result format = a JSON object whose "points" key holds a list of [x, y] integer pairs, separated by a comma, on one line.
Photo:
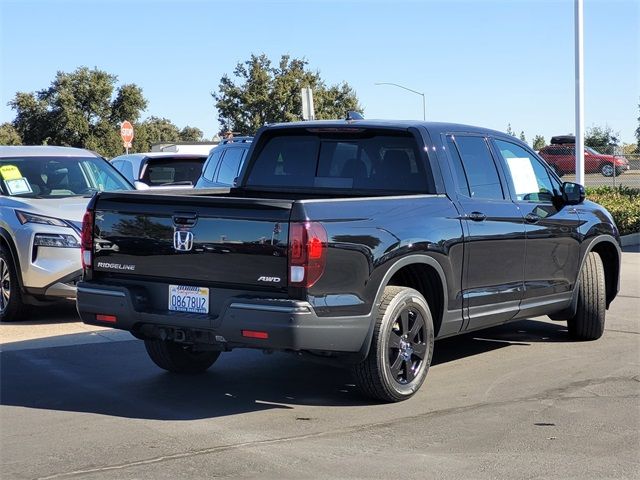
{"points": [[424, 105]]}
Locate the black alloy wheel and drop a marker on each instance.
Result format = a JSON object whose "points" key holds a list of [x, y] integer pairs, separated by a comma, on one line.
{"points": [[401, 347], [407, 346]]}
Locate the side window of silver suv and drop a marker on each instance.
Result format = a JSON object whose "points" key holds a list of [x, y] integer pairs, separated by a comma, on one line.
{"points": [[212, 163]]}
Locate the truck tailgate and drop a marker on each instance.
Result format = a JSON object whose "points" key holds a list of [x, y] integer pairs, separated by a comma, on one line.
{"points": [[192, 240]]}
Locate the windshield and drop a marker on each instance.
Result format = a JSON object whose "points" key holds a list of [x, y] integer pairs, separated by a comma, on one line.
{"points": [[55, 177], [592, 151]]}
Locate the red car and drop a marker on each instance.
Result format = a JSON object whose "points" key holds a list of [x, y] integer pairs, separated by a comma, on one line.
{"points": [[561, 157]]}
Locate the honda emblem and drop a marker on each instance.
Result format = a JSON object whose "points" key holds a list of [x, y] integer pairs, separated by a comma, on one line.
{"points": [[182, 240]]}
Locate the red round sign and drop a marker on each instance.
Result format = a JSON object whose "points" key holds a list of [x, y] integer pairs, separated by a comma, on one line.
{"points": [[126, 132]]}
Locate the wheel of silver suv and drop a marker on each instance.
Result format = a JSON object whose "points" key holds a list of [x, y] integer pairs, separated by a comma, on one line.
{"points": [[5, 285], [11, 306]]}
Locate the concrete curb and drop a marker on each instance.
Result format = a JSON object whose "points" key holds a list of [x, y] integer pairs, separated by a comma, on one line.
{"points": [[631, 239]]}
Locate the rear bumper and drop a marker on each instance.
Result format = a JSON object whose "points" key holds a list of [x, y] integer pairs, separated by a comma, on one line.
{"points": [[289, 324]]}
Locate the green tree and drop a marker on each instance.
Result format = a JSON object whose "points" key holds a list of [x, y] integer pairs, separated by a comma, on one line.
{"points": [[510, 131], [78, 109], [539, 142], [154, 130], [191, 134], [522, 137], [9, 135], [260, 93], [603, 139]]}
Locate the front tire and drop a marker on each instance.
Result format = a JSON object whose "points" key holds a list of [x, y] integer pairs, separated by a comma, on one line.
{"points": [[12, 307], [588, 322], [178, 358], [401, 347]]}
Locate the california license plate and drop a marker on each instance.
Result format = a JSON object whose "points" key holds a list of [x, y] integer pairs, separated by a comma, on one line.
{"points": [[183, 298]]}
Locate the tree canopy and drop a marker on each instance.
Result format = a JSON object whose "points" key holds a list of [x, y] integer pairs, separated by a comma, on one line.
{"points": [[9, 135], [539, 142], [261, 93], [79, 109], [85, 109], [602, 139], [156, 130], [522, 136]]}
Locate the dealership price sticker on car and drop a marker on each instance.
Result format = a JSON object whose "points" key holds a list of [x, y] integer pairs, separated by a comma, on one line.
{"points": [[183, 298]]}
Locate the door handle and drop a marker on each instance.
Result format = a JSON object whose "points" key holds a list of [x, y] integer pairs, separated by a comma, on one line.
{"points": [[532, 218], [185, 219], [477, 216]]}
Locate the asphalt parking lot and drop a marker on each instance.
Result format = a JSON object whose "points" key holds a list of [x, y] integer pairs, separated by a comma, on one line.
{"points": [[629, 178], [517, 401]]}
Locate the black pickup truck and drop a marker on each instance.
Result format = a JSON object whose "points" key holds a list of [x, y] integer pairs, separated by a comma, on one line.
{"points": [[356, 241]]}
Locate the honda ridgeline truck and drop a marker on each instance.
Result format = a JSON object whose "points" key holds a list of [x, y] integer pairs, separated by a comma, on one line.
{"points": [[356, 241]]}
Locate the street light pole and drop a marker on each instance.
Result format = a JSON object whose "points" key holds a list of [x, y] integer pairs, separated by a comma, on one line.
{"points": [[424, 104], [579, 89]]}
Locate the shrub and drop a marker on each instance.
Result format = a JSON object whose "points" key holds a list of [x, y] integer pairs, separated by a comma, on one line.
{"points": [[622, 202]]}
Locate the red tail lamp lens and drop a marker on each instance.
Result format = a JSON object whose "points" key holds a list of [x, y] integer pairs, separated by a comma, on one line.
{"points": [[86, 240], [307, 253]]}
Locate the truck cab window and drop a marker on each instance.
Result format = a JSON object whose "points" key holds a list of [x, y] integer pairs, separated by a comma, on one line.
{"points": [[529, 178], [458, 169], [479, 167]]}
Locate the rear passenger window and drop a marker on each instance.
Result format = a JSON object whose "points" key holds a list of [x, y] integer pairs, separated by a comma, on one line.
{"points": [[458, 169], [479, 167], [125, 169], [229, 165], [212, 163]]}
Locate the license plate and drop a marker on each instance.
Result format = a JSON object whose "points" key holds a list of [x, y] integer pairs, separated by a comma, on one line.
{"points": [[183, 298]]}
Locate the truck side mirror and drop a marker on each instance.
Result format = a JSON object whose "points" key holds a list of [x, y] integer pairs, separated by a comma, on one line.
{"points": [[140, 185], [572, 193]]}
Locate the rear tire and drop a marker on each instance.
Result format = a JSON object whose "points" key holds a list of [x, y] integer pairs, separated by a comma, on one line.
{"points": [[177, 358], [12, 308], [401, 347], [607, 170], [588, 322]]}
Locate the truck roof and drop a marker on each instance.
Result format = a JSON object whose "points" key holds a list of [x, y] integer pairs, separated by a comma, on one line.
{"points": [[400, 124]]}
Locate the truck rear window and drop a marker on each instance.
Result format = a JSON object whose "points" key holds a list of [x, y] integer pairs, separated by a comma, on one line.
{"points": [[389, 163]]}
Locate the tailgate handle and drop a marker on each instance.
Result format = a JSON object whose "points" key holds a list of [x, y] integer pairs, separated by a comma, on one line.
{"points": [[185, 219]]}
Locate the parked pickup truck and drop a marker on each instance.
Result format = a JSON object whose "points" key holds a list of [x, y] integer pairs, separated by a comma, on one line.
{"points": [[356, 241]]}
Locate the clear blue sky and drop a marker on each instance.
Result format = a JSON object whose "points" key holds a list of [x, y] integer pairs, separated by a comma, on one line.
{"points": [[479, 62]]}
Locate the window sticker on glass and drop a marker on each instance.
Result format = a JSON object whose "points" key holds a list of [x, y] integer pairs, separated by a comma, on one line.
{"points": [[10, 172], [524, 178], [17, 186]]}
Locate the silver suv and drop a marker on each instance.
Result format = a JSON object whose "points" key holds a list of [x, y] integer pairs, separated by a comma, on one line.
{"points": [[44, 192]]}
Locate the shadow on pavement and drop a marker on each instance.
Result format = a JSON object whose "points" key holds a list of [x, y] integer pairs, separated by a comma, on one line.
{"points": [[118, 379], [62, 312]]}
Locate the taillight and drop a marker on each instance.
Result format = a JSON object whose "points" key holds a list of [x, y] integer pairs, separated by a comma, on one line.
{"points": [[307, 253], [87, 239]]}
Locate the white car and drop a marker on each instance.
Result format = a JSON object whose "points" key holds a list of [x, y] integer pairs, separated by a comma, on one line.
{"points": [[44, 192], [160, 169]]}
